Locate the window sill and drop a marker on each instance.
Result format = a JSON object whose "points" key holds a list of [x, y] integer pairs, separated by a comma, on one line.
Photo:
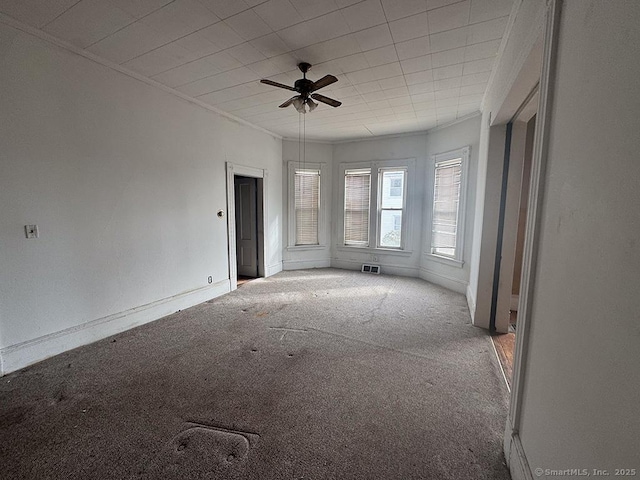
{"points": [[376, 251], [296, 248], [445, 260]]}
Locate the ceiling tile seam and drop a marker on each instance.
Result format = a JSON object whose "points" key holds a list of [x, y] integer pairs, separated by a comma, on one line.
{"points": [[237, 13], [469, 24], [252, 81], [36, 32], [130, 23], [272, 32], [59, 15], [176, 40], [269, 101], [483, 21], [224, 88], [448, 5], [317, 16], [450, 30], [336, 115], [292, 51], [217, 73], [395, 48], [427, 12], [291, 71]]}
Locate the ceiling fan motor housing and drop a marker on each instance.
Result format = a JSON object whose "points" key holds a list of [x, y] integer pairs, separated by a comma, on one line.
{"points": [[303, 86]]}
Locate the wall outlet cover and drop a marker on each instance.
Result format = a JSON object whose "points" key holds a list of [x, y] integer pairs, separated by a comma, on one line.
{"points": [[31, 231]]}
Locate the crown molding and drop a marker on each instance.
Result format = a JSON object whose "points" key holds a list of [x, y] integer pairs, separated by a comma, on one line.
{"points": [[294, 139], [381, 137], [469, 116]]}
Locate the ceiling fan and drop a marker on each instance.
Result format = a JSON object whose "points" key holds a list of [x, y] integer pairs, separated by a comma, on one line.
{"points": [[305, 88]]}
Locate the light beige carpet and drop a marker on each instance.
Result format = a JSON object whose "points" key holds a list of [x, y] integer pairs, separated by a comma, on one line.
{"points": [[317, 374]]}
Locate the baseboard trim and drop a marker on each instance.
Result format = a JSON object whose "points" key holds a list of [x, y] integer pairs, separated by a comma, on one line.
{"points": [[445, 281], [514, 303], [515, 455], [471, 302], [385, 268], [32, 351], [273, 269], [303, 264]]}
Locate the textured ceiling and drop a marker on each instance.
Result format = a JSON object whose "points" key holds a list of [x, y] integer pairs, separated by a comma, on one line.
{"points": [[402, 65]]}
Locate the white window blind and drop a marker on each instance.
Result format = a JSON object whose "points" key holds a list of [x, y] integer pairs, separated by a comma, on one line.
{"points": [[307, 206], [357, 192], [446, 206]]}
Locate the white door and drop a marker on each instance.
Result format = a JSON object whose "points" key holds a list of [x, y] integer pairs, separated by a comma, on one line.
{"points": [[246, 226]]}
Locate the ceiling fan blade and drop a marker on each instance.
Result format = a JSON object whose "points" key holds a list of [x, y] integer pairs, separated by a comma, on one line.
{"points": [[327, 100], [276, 84], [289, 102], [323, 82]]}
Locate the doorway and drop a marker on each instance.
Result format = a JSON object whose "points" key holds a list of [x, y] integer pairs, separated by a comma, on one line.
{"points": [[513, 221], [246, 207], [246, 203]]}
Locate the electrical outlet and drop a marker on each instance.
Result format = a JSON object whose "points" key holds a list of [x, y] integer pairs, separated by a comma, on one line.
{"points": [[31, 231], [210, 279]]}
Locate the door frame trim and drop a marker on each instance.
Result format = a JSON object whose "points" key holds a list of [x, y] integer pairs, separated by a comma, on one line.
{"points": [[234, 169], [514, 452], [536, 194]]}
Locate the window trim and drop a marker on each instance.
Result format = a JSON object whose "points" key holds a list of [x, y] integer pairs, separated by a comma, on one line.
{"points": [[436, 160], [408, 234], [381, 171], [292, 166]]}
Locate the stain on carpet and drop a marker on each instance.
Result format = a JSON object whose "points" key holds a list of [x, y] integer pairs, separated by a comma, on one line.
{"points": [[203, 448]]}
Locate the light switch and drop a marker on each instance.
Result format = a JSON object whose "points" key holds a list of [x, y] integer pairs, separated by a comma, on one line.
{"points": [[31, 231]]}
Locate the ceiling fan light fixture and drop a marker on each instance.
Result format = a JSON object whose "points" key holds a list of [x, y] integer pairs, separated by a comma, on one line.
{"points": [[298, 103], [306, 89]]}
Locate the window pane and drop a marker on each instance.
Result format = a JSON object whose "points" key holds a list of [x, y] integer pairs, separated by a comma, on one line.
{"points": [[357, 189], [307, 204], [392, 189], [390, 228], [446, 199], [391, 201]]}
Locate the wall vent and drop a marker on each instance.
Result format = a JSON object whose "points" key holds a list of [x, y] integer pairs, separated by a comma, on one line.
{"points": [[366, 268]]}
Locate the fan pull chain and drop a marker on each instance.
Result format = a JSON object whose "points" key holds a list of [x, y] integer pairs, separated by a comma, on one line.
{"points": [[299, 141]]}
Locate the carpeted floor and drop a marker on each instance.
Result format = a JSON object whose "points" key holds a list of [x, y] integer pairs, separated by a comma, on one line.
{"points": [[315, 374]]}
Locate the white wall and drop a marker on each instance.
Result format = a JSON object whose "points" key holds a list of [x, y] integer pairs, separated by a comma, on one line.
{"points": [[582, 383], [309, 256], [442, 140], [124, 181], [385, 148], [492, 165], [478, 214]]}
